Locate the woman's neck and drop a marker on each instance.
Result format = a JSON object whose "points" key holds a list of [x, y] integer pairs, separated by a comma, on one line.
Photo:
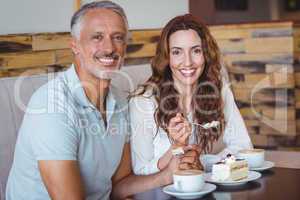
{"points": [[185, 103], [186, 96]]}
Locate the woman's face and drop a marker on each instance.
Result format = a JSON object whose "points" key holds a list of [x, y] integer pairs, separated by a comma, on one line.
{"points": [[186, 58]]}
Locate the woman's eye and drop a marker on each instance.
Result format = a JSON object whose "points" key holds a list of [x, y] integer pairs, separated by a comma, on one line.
{"points": [[175, 52], [198, 51]]}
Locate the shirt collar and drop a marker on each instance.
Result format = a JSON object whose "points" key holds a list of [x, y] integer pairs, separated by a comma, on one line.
{"points": [[78, 92]]}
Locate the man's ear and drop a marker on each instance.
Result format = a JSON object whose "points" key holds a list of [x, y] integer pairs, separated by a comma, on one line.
{"points": [[74, 45]]}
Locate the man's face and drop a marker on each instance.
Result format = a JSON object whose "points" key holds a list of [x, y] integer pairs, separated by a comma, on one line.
{"points": [[101, 45]]}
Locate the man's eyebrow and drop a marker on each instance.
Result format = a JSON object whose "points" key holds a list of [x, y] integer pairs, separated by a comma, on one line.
{"points": [[118, 32], [98, 33]]}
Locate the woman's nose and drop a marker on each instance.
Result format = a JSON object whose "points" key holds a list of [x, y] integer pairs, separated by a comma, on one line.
{"points": [[187, 60]]}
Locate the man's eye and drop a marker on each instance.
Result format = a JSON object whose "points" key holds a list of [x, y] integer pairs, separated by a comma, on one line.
{"points": [[97, 37], [119, 38]]}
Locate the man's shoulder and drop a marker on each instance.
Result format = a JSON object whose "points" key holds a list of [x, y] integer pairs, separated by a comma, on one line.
{"points": [[55, 91]]}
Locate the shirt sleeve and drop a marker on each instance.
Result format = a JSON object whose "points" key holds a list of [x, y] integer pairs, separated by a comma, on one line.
{"points": [[235, 135], [143, 132], [52, 136]]}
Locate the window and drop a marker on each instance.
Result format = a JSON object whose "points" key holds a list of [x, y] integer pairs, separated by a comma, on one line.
{"points": [[231, 5], [292, 5]]}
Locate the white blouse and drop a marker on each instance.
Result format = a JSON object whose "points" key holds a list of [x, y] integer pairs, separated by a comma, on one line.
{"points": [[148, 145]]}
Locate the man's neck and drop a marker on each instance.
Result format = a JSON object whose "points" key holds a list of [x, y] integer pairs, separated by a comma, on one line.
{"points": [[95, 89]]}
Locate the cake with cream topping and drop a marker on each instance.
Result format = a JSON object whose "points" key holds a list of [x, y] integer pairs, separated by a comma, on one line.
{"points": [[230, 169]]}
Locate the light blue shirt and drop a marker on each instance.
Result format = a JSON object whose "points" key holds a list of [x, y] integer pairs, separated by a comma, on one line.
{"points": [[61, 124]]}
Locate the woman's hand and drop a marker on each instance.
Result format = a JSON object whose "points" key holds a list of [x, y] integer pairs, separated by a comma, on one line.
{"points": [[179, 129], [191, 158]]}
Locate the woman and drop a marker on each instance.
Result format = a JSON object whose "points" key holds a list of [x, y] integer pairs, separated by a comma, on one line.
{"points": [[185, 91]]}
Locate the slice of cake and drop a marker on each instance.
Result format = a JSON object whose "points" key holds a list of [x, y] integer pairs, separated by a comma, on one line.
{"points": [[230, 169]]}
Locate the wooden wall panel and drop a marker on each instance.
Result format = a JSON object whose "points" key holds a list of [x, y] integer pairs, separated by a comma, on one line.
{"points": [[262, 60]]}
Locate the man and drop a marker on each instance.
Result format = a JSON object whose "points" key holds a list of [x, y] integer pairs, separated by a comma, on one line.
{"points": [[74, 131], [73, 142]]}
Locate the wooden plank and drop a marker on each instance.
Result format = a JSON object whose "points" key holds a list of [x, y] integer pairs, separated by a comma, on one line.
{"points": [[51, 41], [17, 38], [269, 45], [29, 71], [64, 56], [252, 122], [259, 67], [3, 73], [23, 60], [264, 95], [298, 125], [262, 140], [231, 46], [250, 113], [264, 25], [277, 96], [240, 32], [260, 81], [137, 61], [296, 32], [144, 36], [241, 94], [272, 32], [297, 94], [77, 4], [140, 51], [271, 68], [279, 114], [296, 43], [278, 127], [260, 86], [268, 58], [297, 79], [278, 80], [247, 68], [227, 34], [15, 43], [252, 130]]}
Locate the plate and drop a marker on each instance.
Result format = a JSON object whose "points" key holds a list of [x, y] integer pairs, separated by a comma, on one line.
{"points": [[265, 166], [251, 177], [207, 188]]}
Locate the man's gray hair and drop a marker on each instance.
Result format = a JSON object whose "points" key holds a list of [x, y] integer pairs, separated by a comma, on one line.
{"points": [[78, 15]]}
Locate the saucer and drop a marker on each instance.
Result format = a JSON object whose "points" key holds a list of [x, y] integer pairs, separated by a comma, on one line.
{"points": [[251, 177], [265, 166], [207, 188]]}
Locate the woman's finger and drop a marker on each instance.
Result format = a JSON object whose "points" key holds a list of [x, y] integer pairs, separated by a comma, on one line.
{"points": [[188, 159], [185, 166]]}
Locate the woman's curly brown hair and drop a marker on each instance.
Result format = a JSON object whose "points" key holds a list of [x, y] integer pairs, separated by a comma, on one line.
{"points": [[207, 104]]}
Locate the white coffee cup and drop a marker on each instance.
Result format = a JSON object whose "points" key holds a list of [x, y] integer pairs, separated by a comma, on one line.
{"points": [[188, 180], [254, 157]]}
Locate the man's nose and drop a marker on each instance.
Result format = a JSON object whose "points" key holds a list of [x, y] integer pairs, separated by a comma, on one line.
{"points": [[108, 46]]}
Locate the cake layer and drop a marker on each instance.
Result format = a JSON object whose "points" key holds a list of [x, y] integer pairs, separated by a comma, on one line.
{"points": [[230, 171]]}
